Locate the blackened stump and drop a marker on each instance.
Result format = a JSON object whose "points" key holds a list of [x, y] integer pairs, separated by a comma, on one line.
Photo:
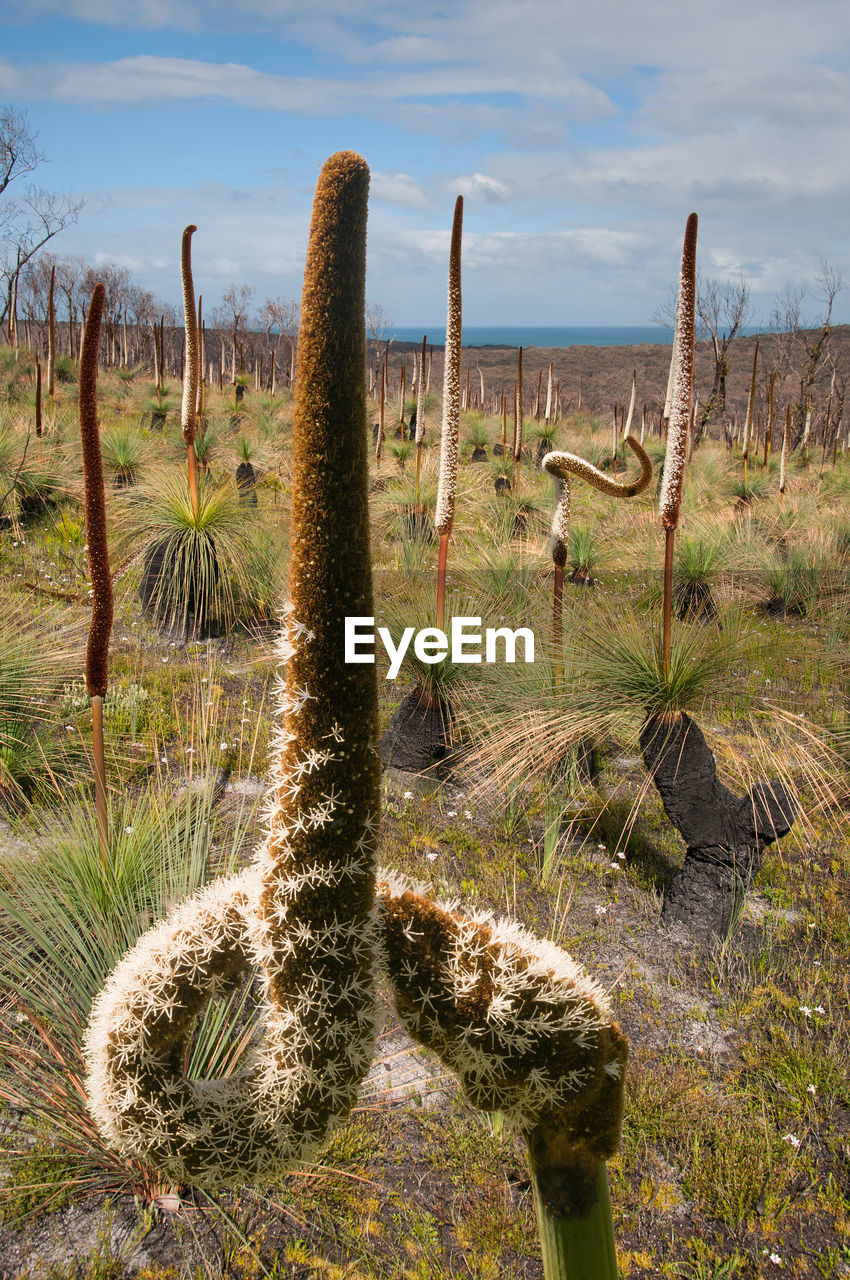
{"points": [[246, 483], [695, 602], [418, 734], [184, 611], [726, 834]]}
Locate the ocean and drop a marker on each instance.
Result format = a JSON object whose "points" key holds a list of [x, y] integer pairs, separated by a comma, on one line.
{"points": [[540, 335]]}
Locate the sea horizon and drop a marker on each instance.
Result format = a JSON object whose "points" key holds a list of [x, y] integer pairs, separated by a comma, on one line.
{"points": [[539, 335]]}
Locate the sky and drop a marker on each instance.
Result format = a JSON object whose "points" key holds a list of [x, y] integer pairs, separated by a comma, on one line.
{"points": [[581, 135]]}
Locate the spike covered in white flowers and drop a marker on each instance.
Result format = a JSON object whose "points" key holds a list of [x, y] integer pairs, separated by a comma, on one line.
{"points": [[303, 918], [682, 378]]}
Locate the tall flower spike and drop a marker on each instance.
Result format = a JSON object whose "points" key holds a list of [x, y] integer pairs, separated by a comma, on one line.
{"points": [[304, 914], [191, 375], [100, 627], [670, 498], [420, 417], [560, 533], [447, 487], [97, 650]]}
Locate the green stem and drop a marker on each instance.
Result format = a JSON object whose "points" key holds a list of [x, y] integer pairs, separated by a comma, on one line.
{"points": [[576, 1247]]}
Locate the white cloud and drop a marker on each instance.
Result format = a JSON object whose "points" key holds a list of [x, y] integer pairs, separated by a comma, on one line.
{"points": [[480, 186], [398, 189]]}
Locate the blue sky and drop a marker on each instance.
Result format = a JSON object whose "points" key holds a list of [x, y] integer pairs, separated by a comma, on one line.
{"points": [[581, 136]]}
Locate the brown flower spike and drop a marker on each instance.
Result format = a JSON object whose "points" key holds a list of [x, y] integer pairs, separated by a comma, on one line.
{"points": [[97, 650], [303, 916]]}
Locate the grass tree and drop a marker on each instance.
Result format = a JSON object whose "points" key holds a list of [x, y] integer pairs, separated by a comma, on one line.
{"points": [[725, 834], [521, 1025]]}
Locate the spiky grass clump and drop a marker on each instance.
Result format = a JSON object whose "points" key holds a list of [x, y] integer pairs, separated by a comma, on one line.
{"points": [[583, 554], [66, 918], [33, 762], [624, 668], [125, 453], [198, 561]]}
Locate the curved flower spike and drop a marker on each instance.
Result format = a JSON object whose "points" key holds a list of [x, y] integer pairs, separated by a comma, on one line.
{"points": [[303, 917], [563, 465], [515, 1018]]}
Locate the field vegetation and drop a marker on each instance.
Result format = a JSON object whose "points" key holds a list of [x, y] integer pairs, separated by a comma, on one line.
{"points": [[735, 1159]]}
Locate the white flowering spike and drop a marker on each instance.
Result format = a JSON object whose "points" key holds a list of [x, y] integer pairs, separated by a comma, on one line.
{"points": [[447, 486], [560, 532], [191, 374], [517, 1020], [303, 918], [682, 374]]}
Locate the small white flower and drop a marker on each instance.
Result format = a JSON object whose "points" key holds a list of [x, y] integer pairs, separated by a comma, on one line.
{"points": [[128, 831], [791, 1139], [776, 1260], [451, 813], [467, 814], [600, 910], [204, 680], [620, 854], [819, 1008], [408, 795], [165, 659], [805, 1010], [222, 746], [600, 846], [70, 728], [615, 866], [432, 857], [163, 760], [810, 1088]]}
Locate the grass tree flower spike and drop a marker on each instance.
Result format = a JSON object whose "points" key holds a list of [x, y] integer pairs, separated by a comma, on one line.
{"points": [[528, 1034], [670, 498], [191, 375], [100, 628], [447, 487], [420, 417], [304, 915]]}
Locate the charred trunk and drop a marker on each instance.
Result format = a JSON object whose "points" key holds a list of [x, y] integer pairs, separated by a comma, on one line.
{"points": [[419, 733], [726, 835]]}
